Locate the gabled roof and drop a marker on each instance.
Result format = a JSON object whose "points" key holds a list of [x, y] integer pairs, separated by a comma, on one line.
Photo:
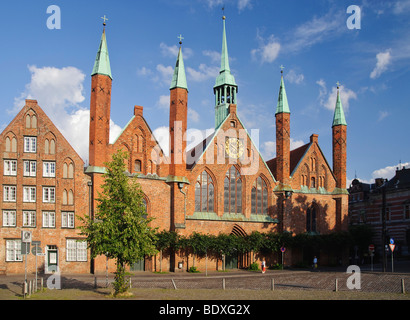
{"points": [[296, 158], [204, 145]]}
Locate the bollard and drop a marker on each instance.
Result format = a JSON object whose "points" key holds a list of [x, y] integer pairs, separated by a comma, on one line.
{"points": [[272, 286], [25, 289], [223, 283], [403, 287], [95, 282], [29, 288], [130, 283], [42, 283], [336, 285], [173, 283]]}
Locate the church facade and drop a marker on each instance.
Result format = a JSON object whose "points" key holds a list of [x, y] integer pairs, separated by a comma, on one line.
{"points": [[223, 185]]}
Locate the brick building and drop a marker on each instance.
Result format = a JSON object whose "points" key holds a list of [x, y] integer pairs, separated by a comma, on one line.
{"points": [[223, 185], [44, 190], [367, 202]]}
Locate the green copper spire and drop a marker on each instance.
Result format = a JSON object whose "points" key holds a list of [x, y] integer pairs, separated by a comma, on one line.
{"points": [[225, 88], [283, 105], [179, 78], [225, 77], [102, 62], [339, 117]]}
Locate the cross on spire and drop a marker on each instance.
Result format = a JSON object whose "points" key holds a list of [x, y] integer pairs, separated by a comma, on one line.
{"points": [[281, 68], [338, 84], [180, 38], [105, 19]]}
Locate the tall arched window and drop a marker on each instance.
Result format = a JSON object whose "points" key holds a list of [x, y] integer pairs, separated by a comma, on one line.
{"points": [[259, 197], [311, 219], [204, 193], [233, 191]]}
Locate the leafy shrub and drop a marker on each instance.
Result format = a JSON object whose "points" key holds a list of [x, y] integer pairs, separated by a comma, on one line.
{"points": [[254, 267]]}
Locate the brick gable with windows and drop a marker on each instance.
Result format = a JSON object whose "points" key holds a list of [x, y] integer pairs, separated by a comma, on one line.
{"points": [[34, 176]]}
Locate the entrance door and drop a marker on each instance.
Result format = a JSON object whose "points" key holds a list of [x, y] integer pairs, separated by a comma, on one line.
{"points": [[231, 262], [138, 266], [51, 259]]}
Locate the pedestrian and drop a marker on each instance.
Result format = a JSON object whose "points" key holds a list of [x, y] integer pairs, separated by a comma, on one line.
{"points": [[315, 262], [263, 266]]}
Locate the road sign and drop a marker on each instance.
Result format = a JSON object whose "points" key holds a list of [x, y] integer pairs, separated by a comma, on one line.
{"points": [[392, 247], [26, 236], [283, 249], [391, 241], [371, 248], [25, 248], [36, 250]]}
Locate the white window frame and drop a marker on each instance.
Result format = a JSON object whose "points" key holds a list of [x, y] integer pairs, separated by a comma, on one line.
{"points": [[10, 167], [9, 193], [29, 219], [49, 169], [13, 251], [29, 194], [49, 194], [30, 144], [9, 218], [76, 250], [49, 219], [29, 168], [68, 220]]}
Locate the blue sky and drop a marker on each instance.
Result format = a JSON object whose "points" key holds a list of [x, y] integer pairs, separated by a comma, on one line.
{"points": [[311, 39]]}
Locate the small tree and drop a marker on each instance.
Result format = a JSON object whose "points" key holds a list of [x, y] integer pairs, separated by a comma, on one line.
{"points": [[120, 229]]}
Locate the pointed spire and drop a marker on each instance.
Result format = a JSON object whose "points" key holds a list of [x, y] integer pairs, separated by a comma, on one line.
{"points": [[283, 105], [225, 77], [339, 117], [102, 61], [179, 78]]}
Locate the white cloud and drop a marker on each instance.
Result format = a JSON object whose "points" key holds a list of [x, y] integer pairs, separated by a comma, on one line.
{"points": [[161, 134], [163, 102], [269, 148], [59, 93], [172, 51], [144, 71], [268, 49], [383, 61], [317, 30], [402, 6], [193, 115], [328, 100], [294, 77], [214, 55], [388, 172], [383, 115], [165, 74], [203, 73]]}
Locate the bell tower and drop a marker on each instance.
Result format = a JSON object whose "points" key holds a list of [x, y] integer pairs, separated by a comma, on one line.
{"points": [[100, 105], [225, 88]]}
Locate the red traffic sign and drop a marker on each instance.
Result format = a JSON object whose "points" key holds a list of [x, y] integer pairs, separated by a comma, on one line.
{"points": [[392, 247], [283, 249], [371, 248]]}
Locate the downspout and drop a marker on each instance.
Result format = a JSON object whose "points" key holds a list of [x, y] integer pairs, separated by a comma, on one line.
{"points": [[181, 186]]}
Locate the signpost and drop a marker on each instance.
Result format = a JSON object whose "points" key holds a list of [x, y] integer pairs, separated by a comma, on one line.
{"points": [[282, 249], [392, 247], [371, 251], [26, 239], [36, 251]]}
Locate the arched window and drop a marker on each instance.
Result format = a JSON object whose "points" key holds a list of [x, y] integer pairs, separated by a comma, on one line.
{"points": [[52, 147], [70, 171], [313, 182], [204, 193], [233, 191], [311, 219], [259, 201], [28, 121], [8, 144], [137, 166], [65, 197], [71, 197], [14, 145], [34, 122], [46, 147]]}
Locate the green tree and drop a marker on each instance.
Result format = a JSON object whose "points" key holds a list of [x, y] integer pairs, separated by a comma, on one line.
{"points": [[120, 229]]}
